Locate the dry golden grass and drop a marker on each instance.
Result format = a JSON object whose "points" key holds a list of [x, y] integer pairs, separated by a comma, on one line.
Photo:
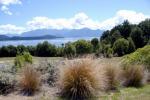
{"points": [[111, 75], [78, 80], [30, 80], [133, 75]]}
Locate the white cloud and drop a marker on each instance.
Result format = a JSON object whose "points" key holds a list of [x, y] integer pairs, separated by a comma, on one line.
{"points": [[6, 3], [132, 16], [80, 20], [11, 29], [5, 9]]}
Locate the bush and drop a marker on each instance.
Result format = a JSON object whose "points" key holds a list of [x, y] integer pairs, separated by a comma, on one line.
{"points": [[95, 43], [121, 46], [83, 47], [133, 75], [79, 82], [30, 80], [46, 50], [69, 50], [140, 56], [27, 57], [20, 60]]}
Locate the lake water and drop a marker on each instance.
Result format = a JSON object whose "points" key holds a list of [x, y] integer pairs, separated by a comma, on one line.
{"points": [[57, 41]]}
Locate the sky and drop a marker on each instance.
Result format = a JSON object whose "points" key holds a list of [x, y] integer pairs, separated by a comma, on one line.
{"points": [[17, 16]]}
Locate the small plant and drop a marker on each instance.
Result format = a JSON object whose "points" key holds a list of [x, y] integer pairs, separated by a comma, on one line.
{"points": [[20, 60], [79, 81], [133, 75], [30, 80]]}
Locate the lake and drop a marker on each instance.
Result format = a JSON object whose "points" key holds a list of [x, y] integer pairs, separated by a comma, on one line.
{"points": [[57, 41]]}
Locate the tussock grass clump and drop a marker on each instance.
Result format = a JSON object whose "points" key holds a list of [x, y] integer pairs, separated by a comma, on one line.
{"points": [[112, 76], [78, 81], [133, 75], [30, 80]]}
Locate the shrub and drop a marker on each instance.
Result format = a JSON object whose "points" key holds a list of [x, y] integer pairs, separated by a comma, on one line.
{"points": [[83, 47], [20, 60], [27, 57], [133, 75], [69, 50], [46, 49], [121, 46], [79, 81], [95, 43], [30, 80], [140, 56]]}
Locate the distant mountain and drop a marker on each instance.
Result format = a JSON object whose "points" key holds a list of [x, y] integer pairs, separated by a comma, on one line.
{"points": [[85, 32], [52, 33], [4, 37]]}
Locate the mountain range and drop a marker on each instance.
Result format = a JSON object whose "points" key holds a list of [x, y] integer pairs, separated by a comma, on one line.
{"points": [[52, 33]]}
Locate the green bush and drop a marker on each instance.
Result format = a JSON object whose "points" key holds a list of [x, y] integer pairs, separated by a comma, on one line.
{"points": [[20, 60], [140, 56], [83, 47], [69, 50], [121, 46]]}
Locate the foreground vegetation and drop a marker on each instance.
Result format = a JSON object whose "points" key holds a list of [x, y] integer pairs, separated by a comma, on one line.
{"points": [[77, 79]]}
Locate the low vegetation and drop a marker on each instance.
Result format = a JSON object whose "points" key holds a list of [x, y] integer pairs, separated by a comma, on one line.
{"points": [[140, 56], [134, 76], [79, 81], [29, 81]]}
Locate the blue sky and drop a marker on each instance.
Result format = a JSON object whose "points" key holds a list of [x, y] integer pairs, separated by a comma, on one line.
{"points": [[23, 15]]}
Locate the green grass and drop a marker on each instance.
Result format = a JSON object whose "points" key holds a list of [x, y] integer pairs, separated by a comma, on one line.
{"points": [[142, 93], [10, 60]]}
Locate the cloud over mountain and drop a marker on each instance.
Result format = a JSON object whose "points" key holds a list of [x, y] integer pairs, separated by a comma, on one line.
{"points": [[79, 21]]}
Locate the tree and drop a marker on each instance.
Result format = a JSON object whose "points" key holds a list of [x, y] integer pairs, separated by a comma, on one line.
{"points": [[121, 46], [4, 51], [131, 45], [83, 47], [31, 50], [46, 50], [137, 37], [69, 50], [114, 36], [95, 44], [21, 49], [145, 27]]}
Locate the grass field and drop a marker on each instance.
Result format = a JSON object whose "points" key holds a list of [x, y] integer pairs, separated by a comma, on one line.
{"points": [[142, 93]]}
